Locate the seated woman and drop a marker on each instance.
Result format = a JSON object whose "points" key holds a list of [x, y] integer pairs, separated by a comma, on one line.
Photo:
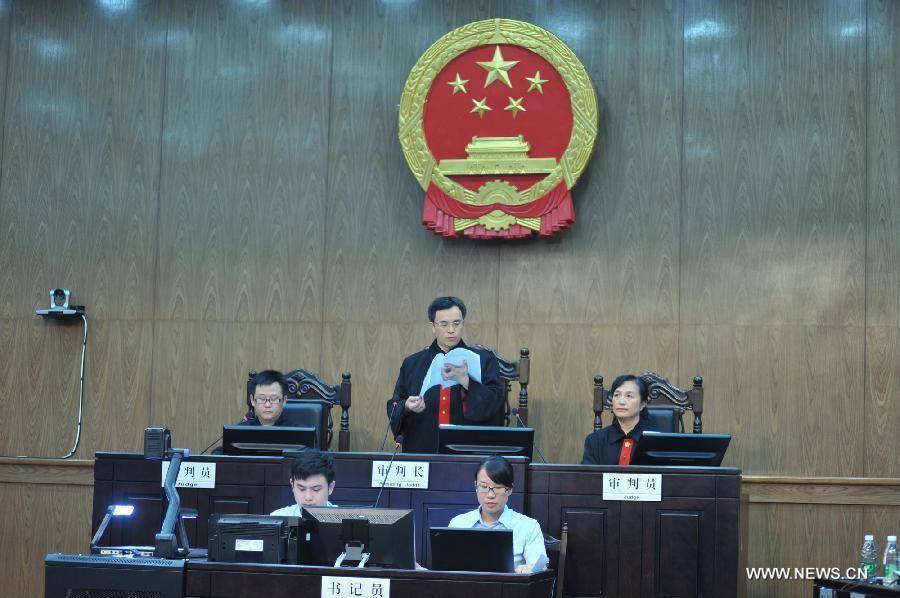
{"points": [[493, 485], [613, 444]]}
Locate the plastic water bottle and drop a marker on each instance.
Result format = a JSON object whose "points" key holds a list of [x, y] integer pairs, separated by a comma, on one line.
{"points": [[891, 561], [868, 556]]}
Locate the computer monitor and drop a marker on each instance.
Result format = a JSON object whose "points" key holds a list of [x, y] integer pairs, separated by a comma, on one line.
{"points": [[669, 448], [267, 440], [467, 549], [485, 440], [253, 538], [385, 534], [67, 575]]}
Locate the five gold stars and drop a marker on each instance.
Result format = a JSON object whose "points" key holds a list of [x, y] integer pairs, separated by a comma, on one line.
{"points": [[497, 68], [481, 107], [458, 84], [515, 106], [536, 82]]}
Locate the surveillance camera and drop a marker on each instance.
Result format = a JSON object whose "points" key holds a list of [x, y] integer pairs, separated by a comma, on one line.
{"points": [[59, 305], [59, 298]]}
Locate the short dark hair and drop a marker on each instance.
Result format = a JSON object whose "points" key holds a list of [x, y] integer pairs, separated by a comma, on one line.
{"points": [[498, 469], [312, 462], [620, 380], [266, 377], [440, 303]]}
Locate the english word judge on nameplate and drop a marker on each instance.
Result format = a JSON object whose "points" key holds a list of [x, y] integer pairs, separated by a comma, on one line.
{"points": [[192, 475], [632, 486], [403, 474]]}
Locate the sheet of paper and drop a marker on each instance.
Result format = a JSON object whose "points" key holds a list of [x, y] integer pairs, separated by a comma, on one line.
{"points": [[454, 357]]}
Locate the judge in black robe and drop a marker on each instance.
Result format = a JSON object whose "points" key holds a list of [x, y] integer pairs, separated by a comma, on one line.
{"points": [[480, 404]]}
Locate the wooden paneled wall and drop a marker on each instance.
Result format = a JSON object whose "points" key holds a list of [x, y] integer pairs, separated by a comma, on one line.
{"points": [[221, 184]]}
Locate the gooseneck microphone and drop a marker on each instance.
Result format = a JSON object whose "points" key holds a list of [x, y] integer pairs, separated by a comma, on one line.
{"points": [[390, 419], [398, 442], [515, 411], [203, 452]]}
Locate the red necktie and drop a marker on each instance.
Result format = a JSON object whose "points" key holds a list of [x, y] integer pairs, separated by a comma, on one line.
{"points": [[444, 406], [625, 454]]}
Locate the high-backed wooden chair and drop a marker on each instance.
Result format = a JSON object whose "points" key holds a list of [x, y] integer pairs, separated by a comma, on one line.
{"points": [[309, 403], [667, 403], [514, 371]]}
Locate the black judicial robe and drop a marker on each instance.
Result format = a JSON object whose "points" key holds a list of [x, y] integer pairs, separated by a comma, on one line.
{"points": [[483, 401], [602, 447]]}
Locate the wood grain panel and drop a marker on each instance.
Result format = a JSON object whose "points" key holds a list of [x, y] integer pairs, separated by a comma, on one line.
{"points": [[774, 128], [882, 400], [81, 156], [883, 165], [792, 396], [564, 360], [883, 279], [77, 472], [41, 362], [619, 263], [37, 520], [200, 371], [826, 491], [373, 354], [116, 388], [5, 25], [381, 264], [800, 536], [244, 147]]}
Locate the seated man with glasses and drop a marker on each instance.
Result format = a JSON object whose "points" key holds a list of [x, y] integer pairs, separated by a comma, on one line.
{"points": [[493, 485], [467, 402], [266, 400]]}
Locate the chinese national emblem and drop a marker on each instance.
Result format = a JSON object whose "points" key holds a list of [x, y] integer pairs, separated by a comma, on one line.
{"points": [[497, 121]]}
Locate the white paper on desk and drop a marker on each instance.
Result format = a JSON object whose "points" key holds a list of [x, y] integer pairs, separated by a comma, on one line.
{"points": [[455, 357]]}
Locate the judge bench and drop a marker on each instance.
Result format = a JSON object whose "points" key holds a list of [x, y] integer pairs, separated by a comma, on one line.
{"points": [[685, 542]]}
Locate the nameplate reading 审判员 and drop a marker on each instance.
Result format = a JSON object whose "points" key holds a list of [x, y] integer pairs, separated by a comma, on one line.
{"points": [[632, 486], [192, 475]]}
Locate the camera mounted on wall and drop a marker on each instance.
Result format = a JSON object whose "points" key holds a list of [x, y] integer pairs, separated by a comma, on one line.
{"points": [[59, 305]]}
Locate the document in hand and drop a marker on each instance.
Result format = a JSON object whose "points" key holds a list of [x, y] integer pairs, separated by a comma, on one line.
{"points": [[454, 357]]}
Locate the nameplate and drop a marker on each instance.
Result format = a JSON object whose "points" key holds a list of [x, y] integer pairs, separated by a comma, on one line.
{"points": [[632, 486], [192, 475], [355, 587], [403, 474]]}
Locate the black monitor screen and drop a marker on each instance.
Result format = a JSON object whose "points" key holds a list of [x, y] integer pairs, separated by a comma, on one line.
{"points": [[386, 535], [667, 448], [253, 538], [458, 549], [486, 440], [267, 440]]}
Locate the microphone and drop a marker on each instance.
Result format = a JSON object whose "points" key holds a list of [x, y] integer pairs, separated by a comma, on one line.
{"points": [[390, 419], [398, 442], [515, 411], [203, 452]]}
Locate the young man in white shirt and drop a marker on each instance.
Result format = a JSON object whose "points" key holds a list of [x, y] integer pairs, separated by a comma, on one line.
{"points": [[312, 482]]}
